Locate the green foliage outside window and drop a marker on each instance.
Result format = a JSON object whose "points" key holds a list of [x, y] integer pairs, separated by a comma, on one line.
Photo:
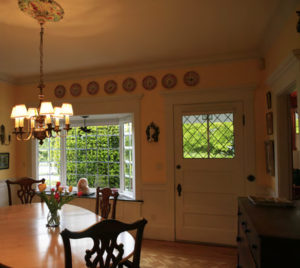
{"points": [[93, 155]]}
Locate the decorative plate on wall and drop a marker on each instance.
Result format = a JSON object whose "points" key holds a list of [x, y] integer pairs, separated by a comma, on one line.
{"points": [[110, 86], [75, 89], [92, 88], [129, 84], [191, 78], [169, 81], [149, 82], [59, 91]]}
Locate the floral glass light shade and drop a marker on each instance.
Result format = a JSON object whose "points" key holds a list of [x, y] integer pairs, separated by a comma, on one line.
{"points": [[41, 122]]}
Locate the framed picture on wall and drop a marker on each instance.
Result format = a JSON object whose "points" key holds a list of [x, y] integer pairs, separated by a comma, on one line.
{"points": [[269, 119], [269, 100], [4, 160], [269, 150]]}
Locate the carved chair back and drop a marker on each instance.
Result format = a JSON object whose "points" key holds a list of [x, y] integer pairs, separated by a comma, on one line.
{"points": [[106, 252], [25, 191], [102, 201]]}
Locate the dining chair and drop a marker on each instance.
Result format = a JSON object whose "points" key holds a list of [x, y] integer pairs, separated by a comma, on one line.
{"points": [[102, 201], [26, 192], [106, 252]]}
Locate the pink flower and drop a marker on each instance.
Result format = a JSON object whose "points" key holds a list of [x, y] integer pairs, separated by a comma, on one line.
{"points": [[79, 194], [58, 184], [52, 189]]}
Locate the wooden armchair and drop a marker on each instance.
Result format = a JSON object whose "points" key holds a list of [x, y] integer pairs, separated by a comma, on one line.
{"points": [[106, 252], [102, 201], [26, 192]]}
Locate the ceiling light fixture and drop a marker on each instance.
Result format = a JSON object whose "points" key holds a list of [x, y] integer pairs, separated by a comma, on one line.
{"points": [[41, 120], [85, 128]]}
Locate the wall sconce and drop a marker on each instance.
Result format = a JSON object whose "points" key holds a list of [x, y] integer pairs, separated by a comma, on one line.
{"points": [[152, 132], [3, 137]]}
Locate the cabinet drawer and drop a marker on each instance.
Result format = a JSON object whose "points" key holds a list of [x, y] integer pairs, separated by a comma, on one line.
{"points": [[247, 231], [245, 258]]}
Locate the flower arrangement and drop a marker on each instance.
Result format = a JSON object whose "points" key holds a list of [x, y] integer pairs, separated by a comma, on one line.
{"points": [[57, 198]]}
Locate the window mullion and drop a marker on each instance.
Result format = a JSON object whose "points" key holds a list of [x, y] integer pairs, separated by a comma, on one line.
{"points": [[63, 161], [122, 162]]}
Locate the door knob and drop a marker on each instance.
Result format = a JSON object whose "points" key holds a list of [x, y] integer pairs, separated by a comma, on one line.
{"points": [[251, 178]]}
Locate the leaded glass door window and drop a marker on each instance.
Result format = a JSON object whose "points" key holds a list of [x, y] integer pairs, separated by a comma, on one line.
{"points": [[208, 135]]}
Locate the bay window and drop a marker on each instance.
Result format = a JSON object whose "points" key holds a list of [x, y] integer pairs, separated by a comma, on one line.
{"points": [[103, 153]]}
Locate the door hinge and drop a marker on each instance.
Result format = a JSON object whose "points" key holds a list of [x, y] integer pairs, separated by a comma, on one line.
{"points": [[244, 119]]}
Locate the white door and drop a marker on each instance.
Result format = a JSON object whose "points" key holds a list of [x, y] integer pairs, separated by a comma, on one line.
{"points": [[208, 171]]}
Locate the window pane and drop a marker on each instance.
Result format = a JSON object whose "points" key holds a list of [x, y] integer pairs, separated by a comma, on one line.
{"points": [[114, 182], [43, 155], [114, 169], [71, 142], [221, 136], [102, 130], [128, 157], [208, 136], [114, 142], [71, 180], [49, 161], [91, 142], [114, 156], [128, 141], [102, 142], [71, 155]]}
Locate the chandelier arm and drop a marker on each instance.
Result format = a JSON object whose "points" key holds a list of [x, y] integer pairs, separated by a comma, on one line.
{"points": [[20, 136]]}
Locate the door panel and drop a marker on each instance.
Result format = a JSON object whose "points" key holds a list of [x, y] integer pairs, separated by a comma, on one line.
{"points": [[209, 150]]}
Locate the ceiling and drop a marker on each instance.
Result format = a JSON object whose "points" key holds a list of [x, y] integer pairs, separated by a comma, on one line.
{"points": [[106, 34]]}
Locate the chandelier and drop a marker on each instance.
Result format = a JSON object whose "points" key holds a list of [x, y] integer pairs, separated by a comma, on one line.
{"points": [[42, 121]]}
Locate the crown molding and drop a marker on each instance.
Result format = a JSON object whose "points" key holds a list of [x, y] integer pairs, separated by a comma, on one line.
{"points": [[283, 12], [103, 71], [292, 59]]}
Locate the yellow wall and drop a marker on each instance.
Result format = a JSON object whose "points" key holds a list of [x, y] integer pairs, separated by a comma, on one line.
{"points": [[153, 155], [6, 103]]}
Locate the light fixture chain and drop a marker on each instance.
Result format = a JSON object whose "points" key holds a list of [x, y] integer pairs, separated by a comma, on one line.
{"points": [[41, 85]]}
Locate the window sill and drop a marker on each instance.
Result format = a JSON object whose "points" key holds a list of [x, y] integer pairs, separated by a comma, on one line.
{"points": [[121, 197]]}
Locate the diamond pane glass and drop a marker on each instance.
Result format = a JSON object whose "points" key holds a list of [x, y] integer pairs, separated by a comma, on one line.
{"points": [[208, 136]]}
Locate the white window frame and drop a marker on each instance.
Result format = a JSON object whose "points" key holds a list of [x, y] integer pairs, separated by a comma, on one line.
{"points": [[119, 119]]}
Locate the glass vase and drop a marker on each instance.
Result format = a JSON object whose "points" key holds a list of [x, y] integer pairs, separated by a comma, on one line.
{"points": [[53, 218]]}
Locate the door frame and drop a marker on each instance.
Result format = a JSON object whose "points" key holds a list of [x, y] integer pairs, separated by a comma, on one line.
{"points": [[284, 80], [244, 94]]}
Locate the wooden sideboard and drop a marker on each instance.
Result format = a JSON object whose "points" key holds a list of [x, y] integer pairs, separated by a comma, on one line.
{"points": [[268, 237]]}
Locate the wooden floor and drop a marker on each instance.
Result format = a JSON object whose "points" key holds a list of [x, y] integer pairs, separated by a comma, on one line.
{"points": [[160, 254]]}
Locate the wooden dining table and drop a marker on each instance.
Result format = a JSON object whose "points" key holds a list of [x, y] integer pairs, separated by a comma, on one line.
{"points": [[26, 242]]}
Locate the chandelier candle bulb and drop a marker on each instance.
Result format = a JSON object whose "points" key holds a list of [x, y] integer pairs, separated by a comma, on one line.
{"points": [[17, 123], [22, 122], [32, 123], [67, 120], [48, 119]]}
